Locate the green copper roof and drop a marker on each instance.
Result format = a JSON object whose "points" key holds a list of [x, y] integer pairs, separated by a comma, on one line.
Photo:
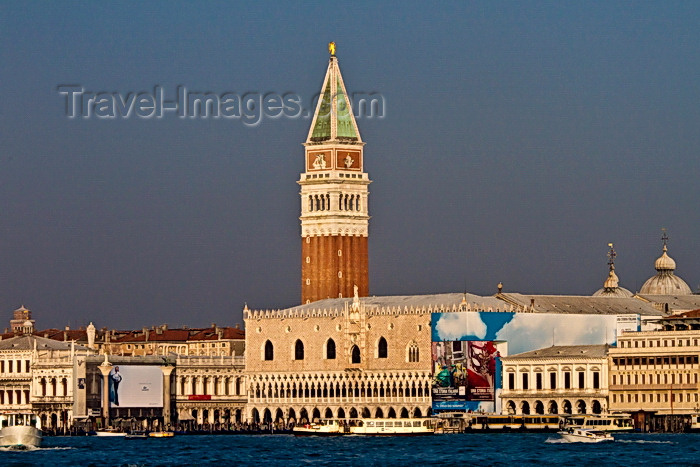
{"points": [[334, 123], [322, 130], [344, 115]]}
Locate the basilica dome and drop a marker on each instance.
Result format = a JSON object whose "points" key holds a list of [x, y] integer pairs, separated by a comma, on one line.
{"points": [[665, 282], [612, 289], [611, 286]]}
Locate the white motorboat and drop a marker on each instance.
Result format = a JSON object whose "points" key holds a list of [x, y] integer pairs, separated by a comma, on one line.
{"points": [[578, 435], [110, 432], [20, 430], [323, 427], [600, 422]]}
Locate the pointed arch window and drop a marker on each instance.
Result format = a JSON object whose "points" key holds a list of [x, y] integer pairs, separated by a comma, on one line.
{"points": [[382, 348], [269, 351], [330, 349], [355, 353], [413, 353], [298, 350]]}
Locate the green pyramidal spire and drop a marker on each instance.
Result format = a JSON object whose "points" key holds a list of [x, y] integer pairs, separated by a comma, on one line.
{"points": [[333, 119]]}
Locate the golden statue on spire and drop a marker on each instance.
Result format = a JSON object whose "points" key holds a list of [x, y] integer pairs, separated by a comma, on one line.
{"points": [[331, 48]]}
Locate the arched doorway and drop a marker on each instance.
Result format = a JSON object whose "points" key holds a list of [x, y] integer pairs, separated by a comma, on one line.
{"points": [[404, 412], [329, 413], [525, 408], [316, 414], [379, 413], [566, 406], [391, 413], [596, 408], [510, 407], [366, 413], [267, 416], [303, 416], [341, 413], [279, 416], [580, 406], [552, 407], [417, 413], [539, 407], [353, 413]]}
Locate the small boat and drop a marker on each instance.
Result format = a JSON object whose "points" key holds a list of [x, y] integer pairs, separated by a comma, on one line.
{"points": [[600, 422], [323, 427], [368, 427], [161, 434], [110, 432], [394, 427], [20, 430], [579, 435], [137, 434]]}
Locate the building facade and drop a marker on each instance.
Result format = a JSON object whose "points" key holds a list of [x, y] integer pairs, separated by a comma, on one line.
{"points": [[657, 371], [37, 374], [337, 359], [556, 380]]}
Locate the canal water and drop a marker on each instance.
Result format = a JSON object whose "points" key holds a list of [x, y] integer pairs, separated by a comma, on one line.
{"points": [[511, 449]]}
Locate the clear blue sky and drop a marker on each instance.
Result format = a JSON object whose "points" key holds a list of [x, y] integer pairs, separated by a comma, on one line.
{"points": [[519, 139]]}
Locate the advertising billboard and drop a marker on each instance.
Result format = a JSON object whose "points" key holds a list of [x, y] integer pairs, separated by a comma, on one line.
{"points": [[465, 375], [466, 347], [135, 386]]}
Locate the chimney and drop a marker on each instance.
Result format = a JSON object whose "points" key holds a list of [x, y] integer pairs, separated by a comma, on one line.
{"points": [[145, 333], [237, 326]]}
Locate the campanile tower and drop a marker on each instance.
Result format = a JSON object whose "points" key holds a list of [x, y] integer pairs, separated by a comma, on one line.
{"points": [[334, 198]]}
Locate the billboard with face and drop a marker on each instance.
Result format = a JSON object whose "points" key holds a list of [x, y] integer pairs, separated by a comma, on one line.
{"points": [[135, 386]]}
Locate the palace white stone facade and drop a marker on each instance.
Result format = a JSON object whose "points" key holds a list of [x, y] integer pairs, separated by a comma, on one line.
{"points": [[38, 374], [338, 358], [210, 390], [556, 380]]}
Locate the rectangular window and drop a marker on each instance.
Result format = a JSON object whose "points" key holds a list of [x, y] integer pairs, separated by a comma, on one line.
{"points": [[567, 380], [581, 380], [9, 366], [525, 381], [553, 380], [26, 366], [538, 377], [511, 381], [596, 380]]}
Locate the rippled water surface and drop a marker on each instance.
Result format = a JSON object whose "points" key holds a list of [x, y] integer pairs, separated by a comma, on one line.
{"points": [[509, 449]]}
